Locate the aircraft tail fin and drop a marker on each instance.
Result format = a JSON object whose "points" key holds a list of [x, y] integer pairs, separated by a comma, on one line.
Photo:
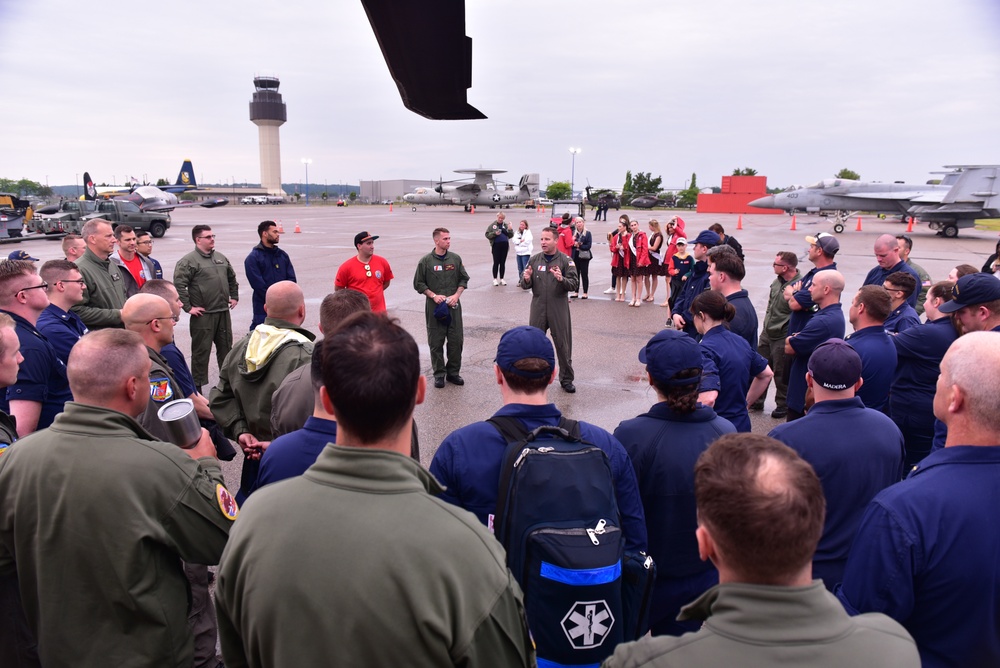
{"points": [[529, 184], [186, 176], [89, 191]]}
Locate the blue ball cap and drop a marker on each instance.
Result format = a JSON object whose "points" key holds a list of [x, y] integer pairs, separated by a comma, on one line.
{"points": [[972, 289], [523, 343], [707, 238], [21, 255], [835, 365], [670, 352]]}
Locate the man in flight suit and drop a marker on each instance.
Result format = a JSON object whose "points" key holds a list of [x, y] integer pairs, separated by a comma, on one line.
{"points": [[116, 596], [551, 276], [441, 277]]}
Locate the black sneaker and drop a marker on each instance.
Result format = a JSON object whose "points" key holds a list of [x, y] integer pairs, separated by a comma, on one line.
{"points": [[439, 381], [454, 380], [568, 387], [779, 413]]}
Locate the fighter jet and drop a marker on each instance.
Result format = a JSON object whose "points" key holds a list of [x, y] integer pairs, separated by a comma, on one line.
{"points": [[151, 198], [966, 193], [483, 191]]}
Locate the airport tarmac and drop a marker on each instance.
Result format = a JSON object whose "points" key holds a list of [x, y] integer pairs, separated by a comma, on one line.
{"points": [[607, 335]]}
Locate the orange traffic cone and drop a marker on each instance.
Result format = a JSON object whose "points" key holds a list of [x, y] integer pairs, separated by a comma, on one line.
{"points": [[298, 230], [281, 228], [909, 226], [472, 209], [858, 228], [793, 223], [390, 207], [739, 223]]}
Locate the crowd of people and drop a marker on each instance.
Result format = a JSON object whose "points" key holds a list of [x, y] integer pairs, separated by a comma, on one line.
{"points": [[855, 531]]}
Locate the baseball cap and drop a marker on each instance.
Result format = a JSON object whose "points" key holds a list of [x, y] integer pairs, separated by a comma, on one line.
{"points": [[681, 241], [826, 242], [835, 365], [972, 289], [362, 237], [669, 352], [21, 255], [523, 343], [707, 238]]}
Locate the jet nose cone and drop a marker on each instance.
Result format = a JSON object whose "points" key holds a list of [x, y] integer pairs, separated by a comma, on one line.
{"points": [[764, 202], [407, 198]]}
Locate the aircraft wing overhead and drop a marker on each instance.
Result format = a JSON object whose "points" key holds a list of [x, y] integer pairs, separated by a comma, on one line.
{"points": [[428, 54], [885, 195], [164, 206]]}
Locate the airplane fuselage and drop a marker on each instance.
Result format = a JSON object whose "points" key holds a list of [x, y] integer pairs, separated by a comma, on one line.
{"points": [[847, 195]]}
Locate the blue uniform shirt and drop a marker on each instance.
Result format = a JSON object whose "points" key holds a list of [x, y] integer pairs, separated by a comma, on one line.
{"points": [[469, 459], [41, 377], [696, 283], [182, 373], [926, 555], [856, 452], [878, 364], [901, 319], [290, 455], [798, 319], [62, 329], [827, 323], [744, 323], [878, 275], [738, 364]]}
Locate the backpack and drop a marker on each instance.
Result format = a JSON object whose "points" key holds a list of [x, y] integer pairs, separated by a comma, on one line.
{"points": [[557, 518]]}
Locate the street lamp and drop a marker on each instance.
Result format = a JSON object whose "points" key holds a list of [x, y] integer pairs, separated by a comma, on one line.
{"points": [[572, 173], [307, 162]]}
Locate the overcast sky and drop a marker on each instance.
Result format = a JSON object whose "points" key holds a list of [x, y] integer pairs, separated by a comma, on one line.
{"points": [[892, 89]]}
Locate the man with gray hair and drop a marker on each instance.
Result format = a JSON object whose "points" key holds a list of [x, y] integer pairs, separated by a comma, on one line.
{"points": [[926, 551], [889, 262], [118, 595], [104, 293]]}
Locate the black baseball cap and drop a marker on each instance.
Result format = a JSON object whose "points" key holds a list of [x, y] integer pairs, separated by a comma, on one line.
{"points": [[362, 237]]}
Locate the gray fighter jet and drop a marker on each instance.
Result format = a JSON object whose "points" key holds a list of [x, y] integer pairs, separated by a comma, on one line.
{"points": [[966, 193]]}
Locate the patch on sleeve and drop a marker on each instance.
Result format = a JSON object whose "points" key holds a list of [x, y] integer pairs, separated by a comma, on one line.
{"points": [[159, 389], [227, 504]]}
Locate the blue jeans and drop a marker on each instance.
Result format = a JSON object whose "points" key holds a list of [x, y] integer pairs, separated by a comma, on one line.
{"points": [[522, 263]]}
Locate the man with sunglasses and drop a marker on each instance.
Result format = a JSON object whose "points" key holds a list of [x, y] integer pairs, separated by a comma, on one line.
{"points": [[42, 388], [367, 272], [58, 323], [207, 286]]}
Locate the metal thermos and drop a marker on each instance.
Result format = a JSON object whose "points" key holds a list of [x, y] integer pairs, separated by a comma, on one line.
{"points": [[181, 422]]}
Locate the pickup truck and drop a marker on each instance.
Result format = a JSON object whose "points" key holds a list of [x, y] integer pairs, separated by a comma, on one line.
{"points": [[66, 219], [122, 212]]}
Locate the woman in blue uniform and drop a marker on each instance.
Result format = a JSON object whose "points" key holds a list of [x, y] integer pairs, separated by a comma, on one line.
{"points": [[743, 372]]}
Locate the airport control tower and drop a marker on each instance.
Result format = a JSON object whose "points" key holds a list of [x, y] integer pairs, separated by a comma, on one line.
{"points": [[267, 112]]}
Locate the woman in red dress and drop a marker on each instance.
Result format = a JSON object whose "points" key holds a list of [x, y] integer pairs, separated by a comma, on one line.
{"points": [[638, 250]]}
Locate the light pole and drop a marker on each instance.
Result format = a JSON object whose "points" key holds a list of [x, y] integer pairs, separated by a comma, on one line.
{"points": [[572, 173], [307, 162]]}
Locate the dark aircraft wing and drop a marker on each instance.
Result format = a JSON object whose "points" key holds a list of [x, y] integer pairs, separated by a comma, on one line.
{"points": [[208, 204], [428, 54]]}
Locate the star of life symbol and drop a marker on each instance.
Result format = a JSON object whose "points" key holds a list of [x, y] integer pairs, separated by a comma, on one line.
{"points": [[496, 198], [587, 624]]}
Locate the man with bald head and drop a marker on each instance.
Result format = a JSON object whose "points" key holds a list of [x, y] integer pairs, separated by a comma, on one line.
{"points": [[254, 369], [926, 551], [889, 262], [151, 317], [826, 323], [96, 516]]}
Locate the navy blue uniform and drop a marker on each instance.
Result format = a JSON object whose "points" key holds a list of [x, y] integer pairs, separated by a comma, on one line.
{"points": [[878, 275], [469, 459], [798, 320], [179, 366], [738, 364], [911, 405], [856, 452], [901, 319], [696, 283], [827, 323], [878, 364], [290, 455], [926, 555], [62, 329], [664, 446], [264, 267], [41, 377], [744, 322]]}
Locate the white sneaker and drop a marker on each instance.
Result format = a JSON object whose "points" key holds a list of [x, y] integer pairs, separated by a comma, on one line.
{"points": [[609, 291], [496, 282], [503, 282]]}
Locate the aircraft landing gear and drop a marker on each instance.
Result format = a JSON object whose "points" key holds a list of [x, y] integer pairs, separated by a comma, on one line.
{"points": [[950, 231], [838, 228], [467, 208]]}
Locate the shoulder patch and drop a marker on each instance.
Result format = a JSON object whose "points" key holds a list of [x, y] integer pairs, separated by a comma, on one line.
{"points": [[227, 504], [160, 390]]}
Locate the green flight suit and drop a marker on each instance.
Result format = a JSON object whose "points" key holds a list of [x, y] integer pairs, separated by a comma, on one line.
{"points": [[442, 275], [925, 285], [103, 292], [358, 563], [771, 344], [209, 282], [550, 305], [95, 518]]}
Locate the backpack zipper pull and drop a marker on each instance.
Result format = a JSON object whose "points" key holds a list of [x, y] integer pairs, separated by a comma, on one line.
{"points": [[520, 457], [596, 531]]}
